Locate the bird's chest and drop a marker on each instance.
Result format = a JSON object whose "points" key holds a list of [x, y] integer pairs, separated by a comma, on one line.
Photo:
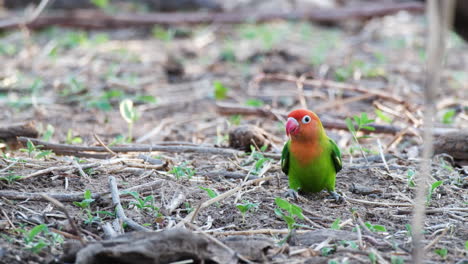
{"points": [[304, 154]]}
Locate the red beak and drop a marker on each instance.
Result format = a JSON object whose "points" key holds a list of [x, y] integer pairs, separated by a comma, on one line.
{"points": [[292, 126]]}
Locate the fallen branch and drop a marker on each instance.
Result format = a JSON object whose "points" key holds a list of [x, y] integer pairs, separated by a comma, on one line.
{"points": [[119, 209], [70, 149], [95, 19], [9, 133]]}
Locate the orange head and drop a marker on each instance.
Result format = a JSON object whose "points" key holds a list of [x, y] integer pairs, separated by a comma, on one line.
{"points": [[303, 125]]}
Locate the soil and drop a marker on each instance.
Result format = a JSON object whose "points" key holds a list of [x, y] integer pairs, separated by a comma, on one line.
{"points": [[74, 80]]}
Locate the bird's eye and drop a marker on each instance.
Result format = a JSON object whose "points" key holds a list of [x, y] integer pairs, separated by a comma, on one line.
{"points": [[306, 119]]}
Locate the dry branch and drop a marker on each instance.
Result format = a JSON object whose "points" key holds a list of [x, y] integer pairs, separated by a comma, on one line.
{"points": [[119, 209], [70, 149], [95, 19]]}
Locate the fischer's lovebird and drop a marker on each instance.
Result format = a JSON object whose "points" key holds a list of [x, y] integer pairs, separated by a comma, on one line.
{"points": [[310, 158]]}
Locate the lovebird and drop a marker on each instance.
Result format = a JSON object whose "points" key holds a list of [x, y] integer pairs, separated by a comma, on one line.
{"points": [[310, 158]]}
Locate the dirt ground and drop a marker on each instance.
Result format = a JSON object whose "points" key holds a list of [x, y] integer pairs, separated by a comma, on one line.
{"points": [[71, 82]]}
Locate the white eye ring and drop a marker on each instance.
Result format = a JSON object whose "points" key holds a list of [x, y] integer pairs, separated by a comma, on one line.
{"points": [[306, 119]]}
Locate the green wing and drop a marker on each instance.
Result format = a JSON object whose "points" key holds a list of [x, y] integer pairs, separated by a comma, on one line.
{"points": [[285, 158], [335, 155]]}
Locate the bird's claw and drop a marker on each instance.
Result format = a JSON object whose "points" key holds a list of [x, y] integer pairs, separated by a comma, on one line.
{"points": [[336, 197], [290, 193]]}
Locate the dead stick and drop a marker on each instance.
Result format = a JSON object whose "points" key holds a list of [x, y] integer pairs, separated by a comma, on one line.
{"points": [[119, 209], [99, 20], [139, 148], [62, 208]]}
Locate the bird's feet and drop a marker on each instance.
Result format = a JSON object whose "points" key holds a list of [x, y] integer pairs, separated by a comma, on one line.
{"points": [[336, 197], [290, 193]]}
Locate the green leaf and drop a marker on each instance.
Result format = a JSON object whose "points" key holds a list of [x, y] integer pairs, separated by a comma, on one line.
{"points": [[372, 257], [436, 184], [449, 116], [296, 210], [87, 195], [146, 99], [220, 91], [379, 228], [336, 224], [350, 125], [211, 193], [368, 128], [383, 116], [100, 3], [126, 110], [442, 252], [35, 231], [283, 204], [254, 103]]}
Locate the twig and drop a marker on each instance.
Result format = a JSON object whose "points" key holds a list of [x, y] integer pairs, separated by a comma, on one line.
{"points": [[80, 169], [382, 155], [40, 196], [119, 209], [8, 219], [190, 217], [104, 145], [109, 230], [92, 19], [378, 203], [436, 210], [62, 208], [58, 168], [437, 239]]}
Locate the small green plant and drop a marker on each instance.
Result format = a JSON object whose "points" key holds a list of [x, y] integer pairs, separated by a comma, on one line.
{"points": [[409, 230], [375, 228], [235, 120], [220, 91], [432, 188], [288, 212], [182, 171], [449, 116], [48, 133], [130, 115], [362, 123], [39, 237], [188, 207], [34, 151], [373, 258], [72, 139], [327, 251], [348, 243], [336, 224], [161, 33], [442, 252], [144, 203], [254, 103], [397, 260], [100, 3], [85, 206], [383, 116], [245, 207], [211, 193], [10, 178], [410, 178]]}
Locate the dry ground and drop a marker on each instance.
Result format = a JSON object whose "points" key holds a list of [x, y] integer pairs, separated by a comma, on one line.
{"points": [[72, 81]]}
